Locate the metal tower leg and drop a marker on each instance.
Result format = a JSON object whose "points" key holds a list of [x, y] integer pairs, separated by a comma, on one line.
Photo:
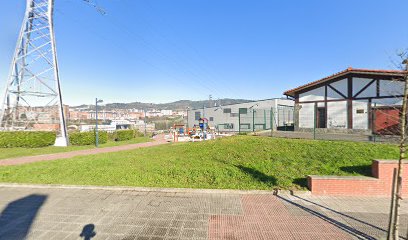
{"points": [[32, 97]]}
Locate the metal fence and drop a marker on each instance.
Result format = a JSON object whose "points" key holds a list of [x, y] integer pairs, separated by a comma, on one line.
{"points": [[357, 121], [257, 120]]}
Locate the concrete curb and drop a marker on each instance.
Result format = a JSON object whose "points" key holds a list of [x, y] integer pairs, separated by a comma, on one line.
{"points": [[151, 189]]}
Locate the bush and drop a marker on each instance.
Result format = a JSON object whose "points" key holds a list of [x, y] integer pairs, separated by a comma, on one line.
{"points": [[87, 138], [112, 136], [137, 133], [26, 139], [122, 135]]}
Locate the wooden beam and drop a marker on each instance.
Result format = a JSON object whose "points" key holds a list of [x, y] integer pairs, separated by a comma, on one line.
{"points": [[329, 100], [380, 97], [370, 114], [337, 91], [325, 104], [364, 88]]}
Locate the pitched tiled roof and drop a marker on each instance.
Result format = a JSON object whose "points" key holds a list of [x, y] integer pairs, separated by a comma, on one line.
{"points": [[398, 73]]}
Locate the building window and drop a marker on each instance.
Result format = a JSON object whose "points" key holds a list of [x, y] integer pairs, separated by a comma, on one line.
{"points": [[211, 119], [360, 111], [197, 116], [233, 114], [228, 125], [243, 110], [245, 126], [227, 110]]}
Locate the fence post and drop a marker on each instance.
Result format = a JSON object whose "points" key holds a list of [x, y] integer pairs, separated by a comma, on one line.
{"points": [[314, 121], [253, 120], [271, 121], [264, 119], [239, 121], [373, 123]]}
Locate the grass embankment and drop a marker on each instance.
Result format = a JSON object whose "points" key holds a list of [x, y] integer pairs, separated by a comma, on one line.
{"points": [[20, 152], [242, 162]]}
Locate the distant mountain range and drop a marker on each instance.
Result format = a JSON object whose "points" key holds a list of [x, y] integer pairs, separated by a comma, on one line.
{"points": [[177, 105]]}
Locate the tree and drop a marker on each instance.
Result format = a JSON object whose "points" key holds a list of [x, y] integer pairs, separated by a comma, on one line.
{"points": [[393, 231]]}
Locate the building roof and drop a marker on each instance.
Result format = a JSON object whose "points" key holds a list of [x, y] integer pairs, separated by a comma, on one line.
{"points": [[349, 70]]}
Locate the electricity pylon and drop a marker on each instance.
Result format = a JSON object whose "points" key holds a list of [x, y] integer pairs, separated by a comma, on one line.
{"points": [[32, 97]]}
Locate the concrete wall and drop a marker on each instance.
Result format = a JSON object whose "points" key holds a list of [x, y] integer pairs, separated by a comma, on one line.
{"points": [[337, 114], [360, 114], [306, 115]]}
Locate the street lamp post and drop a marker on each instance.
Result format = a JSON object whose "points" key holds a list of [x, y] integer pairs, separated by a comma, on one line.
{"points": [[145, 123], [96, 124]]}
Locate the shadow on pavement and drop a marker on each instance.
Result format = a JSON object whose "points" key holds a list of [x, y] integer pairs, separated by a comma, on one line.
{"points": [[342, 214], [342, 226], [353, 231], [88, 232], [18, 216]]}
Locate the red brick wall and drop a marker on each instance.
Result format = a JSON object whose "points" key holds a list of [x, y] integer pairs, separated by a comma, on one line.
{"points": [[378, 185]]}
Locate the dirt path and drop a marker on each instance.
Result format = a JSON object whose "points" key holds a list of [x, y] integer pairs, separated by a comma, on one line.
{"points": [[54, 156]]}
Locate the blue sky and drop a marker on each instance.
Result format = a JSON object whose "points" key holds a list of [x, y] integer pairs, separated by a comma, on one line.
{"points": [[161, 51]]}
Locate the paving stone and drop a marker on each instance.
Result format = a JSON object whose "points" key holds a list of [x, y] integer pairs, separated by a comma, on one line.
{"points": [[54, 213]]}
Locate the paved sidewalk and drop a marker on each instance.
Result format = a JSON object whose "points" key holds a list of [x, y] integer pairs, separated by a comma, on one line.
{"points": [[54, 156], [109, 213]]}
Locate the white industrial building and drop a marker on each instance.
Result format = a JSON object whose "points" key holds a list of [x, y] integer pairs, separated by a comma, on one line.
{"points": [[354, 100], [244, 117]]}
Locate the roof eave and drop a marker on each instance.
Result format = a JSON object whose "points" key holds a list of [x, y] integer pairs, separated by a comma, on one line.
{"points": [[292, 92]]}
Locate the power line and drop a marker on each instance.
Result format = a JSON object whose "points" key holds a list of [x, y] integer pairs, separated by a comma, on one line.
{"points": [[126, 50]]}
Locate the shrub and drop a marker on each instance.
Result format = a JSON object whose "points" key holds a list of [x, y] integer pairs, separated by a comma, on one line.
{"points": [[137, 133], [122, 135], [112, 136], [26, 139], [87, 138]]}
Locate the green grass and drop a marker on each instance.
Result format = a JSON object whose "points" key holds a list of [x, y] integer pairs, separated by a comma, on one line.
{"points": [[242, 162], [20, 152]]}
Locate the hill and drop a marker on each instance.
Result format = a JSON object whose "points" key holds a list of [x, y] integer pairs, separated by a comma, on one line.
{"points": [[177, 105]]}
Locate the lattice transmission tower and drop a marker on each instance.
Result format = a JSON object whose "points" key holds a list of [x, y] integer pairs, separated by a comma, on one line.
{"points": [[32, 97]]}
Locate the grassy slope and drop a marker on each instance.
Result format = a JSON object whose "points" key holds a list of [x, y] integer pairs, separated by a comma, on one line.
{"points": [[242, 162], [19, 152]]}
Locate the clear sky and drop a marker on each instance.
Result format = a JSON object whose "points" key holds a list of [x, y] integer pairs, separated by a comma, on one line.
{"points": [[161, 50]]}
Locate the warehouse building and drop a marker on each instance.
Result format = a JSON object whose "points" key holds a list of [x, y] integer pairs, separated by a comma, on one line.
{"points": [[246, 117], [354, 100]]}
